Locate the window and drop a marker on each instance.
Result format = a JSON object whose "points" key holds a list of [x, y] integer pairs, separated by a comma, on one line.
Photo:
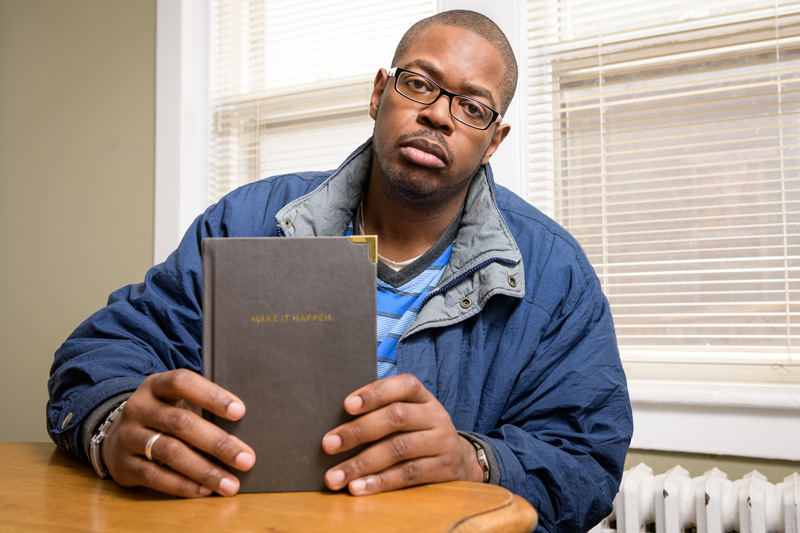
{"points": [[288, 75], [665, 137]]}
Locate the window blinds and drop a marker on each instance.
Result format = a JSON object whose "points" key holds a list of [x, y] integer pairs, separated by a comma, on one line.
{"points": [[666, 137], [291, 80]]}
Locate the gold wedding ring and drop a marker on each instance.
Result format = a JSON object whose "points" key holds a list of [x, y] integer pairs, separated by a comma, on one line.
{"points": [[148, 448]]}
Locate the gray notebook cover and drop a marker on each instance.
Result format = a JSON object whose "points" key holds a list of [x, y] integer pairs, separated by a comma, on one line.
{"points": [[289, 327]]}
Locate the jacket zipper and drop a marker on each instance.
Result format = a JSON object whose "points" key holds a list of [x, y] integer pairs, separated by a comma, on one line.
{"points": [[463, 276]]}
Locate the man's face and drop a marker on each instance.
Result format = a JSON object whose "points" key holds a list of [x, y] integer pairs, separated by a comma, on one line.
{"points": [[423, 154]]}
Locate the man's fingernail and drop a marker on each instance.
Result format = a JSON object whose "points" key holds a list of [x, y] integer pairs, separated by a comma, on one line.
{"points": [[335, 478], [357, 487], [228, 487], [204, 491], [244, 461], [235, 410], [353, 403], [331, 442]]}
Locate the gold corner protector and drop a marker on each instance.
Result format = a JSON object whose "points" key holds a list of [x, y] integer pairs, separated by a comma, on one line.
{"points": [[371, 240]]}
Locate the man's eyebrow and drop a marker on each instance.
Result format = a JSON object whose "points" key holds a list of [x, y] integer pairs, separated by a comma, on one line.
{"points": [[470, 88]]}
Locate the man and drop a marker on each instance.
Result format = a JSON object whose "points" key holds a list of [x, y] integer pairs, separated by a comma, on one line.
{"points": [[504, 368]]}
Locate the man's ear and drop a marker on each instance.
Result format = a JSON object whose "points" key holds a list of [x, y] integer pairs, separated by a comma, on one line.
{"points": [[500, 132], [381, 78]]}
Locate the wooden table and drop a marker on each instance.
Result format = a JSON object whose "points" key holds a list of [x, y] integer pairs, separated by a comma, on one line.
{"points": [[45, 489]]}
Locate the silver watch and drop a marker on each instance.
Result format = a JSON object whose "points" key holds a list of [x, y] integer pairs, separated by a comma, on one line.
{"points": [[482, 461], [94, 449]]}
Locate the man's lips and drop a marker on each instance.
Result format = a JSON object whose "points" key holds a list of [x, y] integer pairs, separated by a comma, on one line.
{"points": [[424, 153]]}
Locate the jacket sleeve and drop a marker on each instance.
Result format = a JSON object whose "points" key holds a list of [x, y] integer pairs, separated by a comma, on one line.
{"points": [[146, 328], [567, 425]]}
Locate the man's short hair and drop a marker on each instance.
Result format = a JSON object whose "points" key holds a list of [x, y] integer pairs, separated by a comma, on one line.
{"points": [[479, 25]]}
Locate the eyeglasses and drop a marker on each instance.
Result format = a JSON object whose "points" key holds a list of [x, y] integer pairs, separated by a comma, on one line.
{"points": [[425, 91]]}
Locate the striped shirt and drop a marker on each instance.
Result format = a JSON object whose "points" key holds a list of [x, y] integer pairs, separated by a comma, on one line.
{"points": [[400, 294], [397, 309]]}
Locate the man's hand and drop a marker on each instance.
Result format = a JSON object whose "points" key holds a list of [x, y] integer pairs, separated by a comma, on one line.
{"points": [[161, 404], [411, 440]]}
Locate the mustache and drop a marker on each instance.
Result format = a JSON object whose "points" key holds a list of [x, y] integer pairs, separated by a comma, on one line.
{"points": [[432, 135]]}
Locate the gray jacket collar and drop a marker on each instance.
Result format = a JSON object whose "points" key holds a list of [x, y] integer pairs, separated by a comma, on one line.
{"points": [[483, 244]]}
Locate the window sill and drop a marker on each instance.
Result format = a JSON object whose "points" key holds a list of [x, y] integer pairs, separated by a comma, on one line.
{"points": [[720, 418]]}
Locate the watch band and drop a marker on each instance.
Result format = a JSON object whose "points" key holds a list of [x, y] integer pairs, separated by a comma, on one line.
{"points": [[97, 460], [482, 461]]}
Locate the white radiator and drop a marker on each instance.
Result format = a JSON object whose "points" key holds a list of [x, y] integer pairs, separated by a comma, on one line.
{"points": [[674, 502]]}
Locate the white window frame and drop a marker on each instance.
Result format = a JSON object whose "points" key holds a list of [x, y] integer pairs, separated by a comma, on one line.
{"points": [[182, 88], [727, 416]]}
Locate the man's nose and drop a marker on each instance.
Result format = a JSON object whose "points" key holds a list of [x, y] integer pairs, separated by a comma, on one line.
{"points": [[437, 114]]}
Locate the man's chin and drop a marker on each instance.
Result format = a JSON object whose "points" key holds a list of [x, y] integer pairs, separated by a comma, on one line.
{"points": [[412, 189], [416, 186]]}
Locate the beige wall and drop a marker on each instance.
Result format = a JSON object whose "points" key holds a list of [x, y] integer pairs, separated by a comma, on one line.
{"points": [[77, 116]]}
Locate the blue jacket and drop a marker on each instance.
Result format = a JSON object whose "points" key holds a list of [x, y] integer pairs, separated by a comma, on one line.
{"points": [[517, 342]]}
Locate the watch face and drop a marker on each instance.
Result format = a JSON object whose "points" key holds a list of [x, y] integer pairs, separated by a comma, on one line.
{"points": [[483, 463], [97, 461], [97, 439]]}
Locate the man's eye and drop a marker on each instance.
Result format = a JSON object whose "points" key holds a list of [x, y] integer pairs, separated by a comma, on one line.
{"points": [[418, 85], [472, 109]]}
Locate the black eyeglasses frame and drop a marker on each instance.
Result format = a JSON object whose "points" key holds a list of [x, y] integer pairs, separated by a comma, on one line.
{"points": [[394, 73]]}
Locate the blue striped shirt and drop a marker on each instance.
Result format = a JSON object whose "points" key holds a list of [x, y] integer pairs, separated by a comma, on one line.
{"points": [[397, 307]]}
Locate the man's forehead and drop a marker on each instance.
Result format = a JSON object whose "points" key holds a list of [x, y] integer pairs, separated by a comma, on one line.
{"points": [[452, 55], [437, 37]]}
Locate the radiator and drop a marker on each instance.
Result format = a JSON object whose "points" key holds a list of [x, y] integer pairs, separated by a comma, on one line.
{"points": [[675, 502]]}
